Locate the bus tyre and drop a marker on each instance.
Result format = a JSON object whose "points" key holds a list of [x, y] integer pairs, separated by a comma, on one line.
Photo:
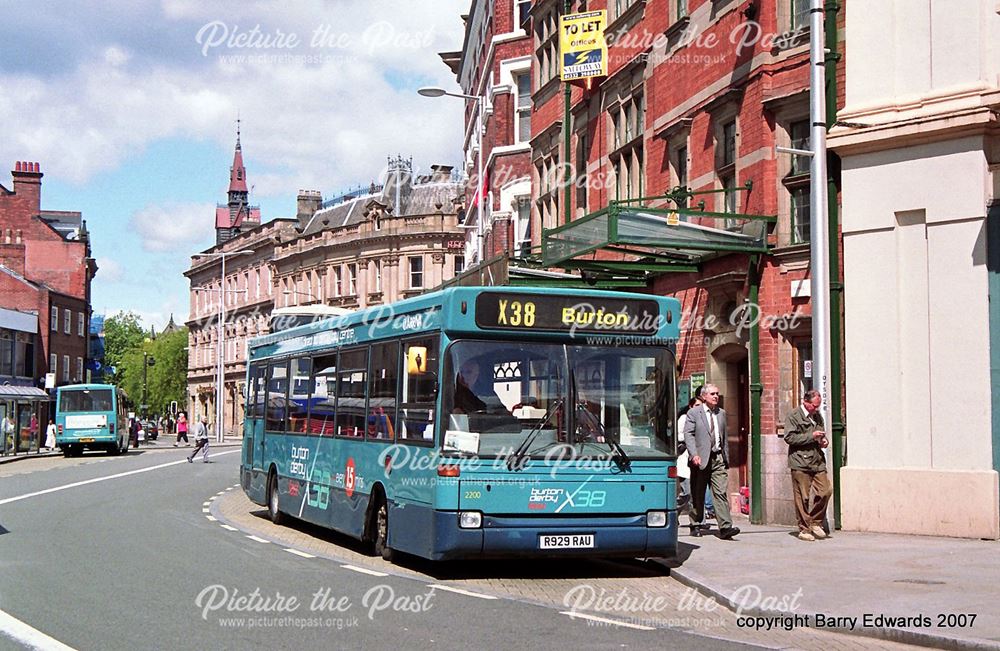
{"points": [[382, 530], [277, 517]]}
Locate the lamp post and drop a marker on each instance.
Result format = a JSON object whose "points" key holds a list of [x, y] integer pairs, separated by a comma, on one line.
{"points": [[147, 361], [431, 91], [220, 377]]}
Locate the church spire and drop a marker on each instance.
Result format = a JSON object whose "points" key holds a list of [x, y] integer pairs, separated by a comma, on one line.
{"points": [[238, 173]]}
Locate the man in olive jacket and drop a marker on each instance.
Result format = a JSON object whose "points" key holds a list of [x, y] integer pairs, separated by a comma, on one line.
{"points": [[810, 485]]}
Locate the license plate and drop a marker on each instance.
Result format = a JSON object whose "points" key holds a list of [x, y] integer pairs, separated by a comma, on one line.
{"points": [[566, 541], [88, 439]]}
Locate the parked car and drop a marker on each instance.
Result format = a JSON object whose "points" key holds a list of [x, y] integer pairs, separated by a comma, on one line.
{"points": [[152, 431]]}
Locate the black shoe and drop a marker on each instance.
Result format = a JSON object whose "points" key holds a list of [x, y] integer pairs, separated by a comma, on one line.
{"points": [[729, 533], [704, 526], [696, 531]]}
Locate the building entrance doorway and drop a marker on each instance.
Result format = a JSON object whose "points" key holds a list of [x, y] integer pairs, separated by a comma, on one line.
{"points": [[730, 372]]}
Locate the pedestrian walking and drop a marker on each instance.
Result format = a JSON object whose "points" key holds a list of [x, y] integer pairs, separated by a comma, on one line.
{"points": [[200, 440], [684, 460], [182, 430], [50, 435], [806, 438], [705, 437]]}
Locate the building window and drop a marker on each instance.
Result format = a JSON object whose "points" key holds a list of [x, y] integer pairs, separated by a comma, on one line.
{"points": [[628, 167], [54, 320], [800, 214], [336, 281], [79, 369], [6, 354], [65, 368], [522, 115], [523, 226], [620, 7], [728, 144], [378, 275], [548, 183], [729, 202], [547, 46], [796, 182], [628, 120], [803, 363], [79, 324], [53, 366], [522, 14], [416, 272], [800, 14], [67, 320], [681, 7], [582, 153], [352, 279], [627, 160], [24, 355]]}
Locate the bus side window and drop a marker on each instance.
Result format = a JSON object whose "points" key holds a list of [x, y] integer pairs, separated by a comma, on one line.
{"points": [[420, 385], [277, 397], [298, 394], [324, 395], [382, 391], [351, 385]]}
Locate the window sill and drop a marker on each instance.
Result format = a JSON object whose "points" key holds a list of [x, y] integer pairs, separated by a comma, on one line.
{"points": [[678, 26]]}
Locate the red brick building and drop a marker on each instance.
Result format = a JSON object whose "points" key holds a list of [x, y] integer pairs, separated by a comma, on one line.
{"points": [[697, 96], [47, 269], [495, 64]]}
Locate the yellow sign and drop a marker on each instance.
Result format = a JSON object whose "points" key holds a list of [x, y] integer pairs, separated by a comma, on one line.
{"points": [[673, 219], [582, 47]]}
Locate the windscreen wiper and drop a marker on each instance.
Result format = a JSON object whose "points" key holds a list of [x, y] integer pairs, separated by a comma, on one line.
{"points": [[515, 460], [620, 457]]}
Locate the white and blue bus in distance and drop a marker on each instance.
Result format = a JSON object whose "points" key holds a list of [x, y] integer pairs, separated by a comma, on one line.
{"points": [[474, 422], [91, 416]]}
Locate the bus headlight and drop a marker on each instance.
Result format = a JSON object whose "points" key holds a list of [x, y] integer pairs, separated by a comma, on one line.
{"points": [[656, 519], [470, 519]]}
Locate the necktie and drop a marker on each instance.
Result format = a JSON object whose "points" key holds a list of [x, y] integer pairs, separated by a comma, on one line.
{"points": [[711, 430]]}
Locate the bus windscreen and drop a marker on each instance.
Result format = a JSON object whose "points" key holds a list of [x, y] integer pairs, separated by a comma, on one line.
{"points": [[86, 400]]}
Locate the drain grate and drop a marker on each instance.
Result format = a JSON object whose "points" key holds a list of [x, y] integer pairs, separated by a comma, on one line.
{"points": [[919, 581]]}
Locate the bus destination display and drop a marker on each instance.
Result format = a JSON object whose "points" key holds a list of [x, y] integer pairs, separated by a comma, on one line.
{"points": [[543, 312]]}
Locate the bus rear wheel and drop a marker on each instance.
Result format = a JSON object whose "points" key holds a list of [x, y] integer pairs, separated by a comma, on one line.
{"points": [[277, 517], [381, 530]]}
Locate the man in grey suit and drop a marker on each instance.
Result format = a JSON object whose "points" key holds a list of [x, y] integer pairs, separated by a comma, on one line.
{"points": [[705, 437]]}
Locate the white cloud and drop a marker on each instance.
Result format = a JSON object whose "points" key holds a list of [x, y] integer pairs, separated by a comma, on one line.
{"points": [[319, 123], [178, 227], [109, 271]]}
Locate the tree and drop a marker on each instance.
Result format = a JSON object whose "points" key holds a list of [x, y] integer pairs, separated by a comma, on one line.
{"points": [[123, 333], [166, 378]]}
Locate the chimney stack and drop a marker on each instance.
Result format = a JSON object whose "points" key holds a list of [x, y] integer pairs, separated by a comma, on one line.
{"points": [[307, 203], [28, 183], [441, 173]]}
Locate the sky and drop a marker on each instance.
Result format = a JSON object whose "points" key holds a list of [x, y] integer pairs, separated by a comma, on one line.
{"points": [[130, 108]]}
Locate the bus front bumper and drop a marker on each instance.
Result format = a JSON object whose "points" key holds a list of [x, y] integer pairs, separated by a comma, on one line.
{"points": [[499, 537]]}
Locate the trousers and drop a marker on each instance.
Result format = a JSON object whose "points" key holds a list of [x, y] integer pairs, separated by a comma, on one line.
{"points": [[716, 476], [811, 491]]}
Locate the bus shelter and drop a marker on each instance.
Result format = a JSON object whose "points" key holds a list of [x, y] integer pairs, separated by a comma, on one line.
{"points": [[24, 413]]}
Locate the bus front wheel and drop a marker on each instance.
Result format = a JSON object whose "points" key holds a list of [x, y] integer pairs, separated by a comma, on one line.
{"points": [[277, 517], [382, 530]]}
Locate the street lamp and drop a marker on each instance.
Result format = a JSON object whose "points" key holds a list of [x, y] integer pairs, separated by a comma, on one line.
{"points": [[220, 378], [289, 292], [432, 91], [147, 361]]}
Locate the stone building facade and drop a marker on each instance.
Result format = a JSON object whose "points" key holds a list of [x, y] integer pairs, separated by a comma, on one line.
{"points": [[374, 248]]}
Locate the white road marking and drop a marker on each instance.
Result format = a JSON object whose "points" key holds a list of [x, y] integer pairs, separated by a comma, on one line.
{"points": [[212, 518], [226, 526], [605, 620], [208, 503], [75, 484], [28, 636], [298, 553], [260, 540], [460, 591], [363, 570], [206, 510]]}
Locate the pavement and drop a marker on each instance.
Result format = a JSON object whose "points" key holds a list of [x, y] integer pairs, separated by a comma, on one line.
{"points": [[160, 443], [861, 583]]}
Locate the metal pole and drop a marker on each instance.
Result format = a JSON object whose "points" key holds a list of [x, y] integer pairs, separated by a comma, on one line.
{"points": [[818, 222], [222, 335], [567, 177], [480, 124], [145, 360]]}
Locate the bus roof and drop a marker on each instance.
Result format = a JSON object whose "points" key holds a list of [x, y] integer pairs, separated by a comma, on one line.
{"points": [[483, 311], [85, 387]]}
